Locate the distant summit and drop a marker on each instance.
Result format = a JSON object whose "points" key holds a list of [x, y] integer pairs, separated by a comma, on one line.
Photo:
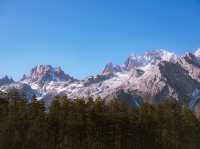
{"points": [[149, 58]]}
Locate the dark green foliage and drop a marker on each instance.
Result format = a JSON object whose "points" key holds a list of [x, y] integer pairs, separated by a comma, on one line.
{"points": [[94, 124]]}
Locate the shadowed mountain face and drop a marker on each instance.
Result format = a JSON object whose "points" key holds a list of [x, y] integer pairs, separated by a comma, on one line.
{"points": [[157, 74]]}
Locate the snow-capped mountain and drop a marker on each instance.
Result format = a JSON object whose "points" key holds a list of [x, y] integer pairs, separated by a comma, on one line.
{"points": [[37, 81], [149, 58], [42, 74], [157, 74]]}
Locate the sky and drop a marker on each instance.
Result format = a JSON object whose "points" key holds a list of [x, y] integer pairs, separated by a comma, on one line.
{"points": [[82, 36]]}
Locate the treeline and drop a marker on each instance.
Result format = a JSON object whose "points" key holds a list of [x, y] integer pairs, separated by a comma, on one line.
{"points": [[94, 124]]}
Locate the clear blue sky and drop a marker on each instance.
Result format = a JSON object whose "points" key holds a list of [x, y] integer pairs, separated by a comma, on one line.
{"points": [[82, 36]]}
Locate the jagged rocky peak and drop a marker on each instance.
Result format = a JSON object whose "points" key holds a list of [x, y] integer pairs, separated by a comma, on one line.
{"points": [[149, 58], [6, 80], [191, 64], [141, 61], [110, 69], [47, 73], [188, 58], [134, 61], [160, 55]]}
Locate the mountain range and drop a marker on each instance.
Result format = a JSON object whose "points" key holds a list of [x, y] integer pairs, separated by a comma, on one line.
{"points": [[153, 77]]}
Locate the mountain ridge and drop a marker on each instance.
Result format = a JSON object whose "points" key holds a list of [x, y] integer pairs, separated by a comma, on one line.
{"points": [[158, 74]]}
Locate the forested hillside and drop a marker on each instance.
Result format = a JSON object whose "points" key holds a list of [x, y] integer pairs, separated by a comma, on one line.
{"points": [[94, 124]]}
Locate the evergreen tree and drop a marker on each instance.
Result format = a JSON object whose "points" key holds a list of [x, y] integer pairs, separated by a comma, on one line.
{"points": [[94, 124]]}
